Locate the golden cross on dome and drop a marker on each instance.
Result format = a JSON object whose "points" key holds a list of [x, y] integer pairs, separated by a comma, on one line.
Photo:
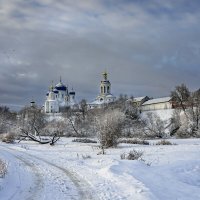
{"points": [[51, 87], [105, 75]]}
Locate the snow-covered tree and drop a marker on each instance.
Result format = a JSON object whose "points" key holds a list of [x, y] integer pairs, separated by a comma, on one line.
{"points": [[189, 103], [110, 128], [7, 119]]}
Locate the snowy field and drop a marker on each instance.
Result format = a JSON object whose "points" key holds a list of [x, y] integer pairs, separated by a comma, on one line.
{"points": [[75, 171]]}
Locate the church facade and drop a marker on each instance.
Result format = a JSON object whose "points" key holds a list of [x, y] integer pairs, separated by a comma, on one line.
{"points": [[58, 97], [105, 96]]}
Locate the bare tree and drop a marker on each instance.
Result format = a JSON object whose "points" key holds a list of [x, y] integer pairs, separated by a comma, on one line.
{"points": [[194, 112], [189, 103], [154, 126], [51, 140], [31, 118], [77, 124], [131, 110], [7, 119], [196, 107], [181, 96], [175, 122], [132, 125], [33, 122], [83, 107]]}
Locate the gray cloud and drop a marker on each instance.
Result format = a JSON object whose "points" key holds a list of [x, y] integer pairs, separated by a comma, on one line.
{"points": [[147, 48]]}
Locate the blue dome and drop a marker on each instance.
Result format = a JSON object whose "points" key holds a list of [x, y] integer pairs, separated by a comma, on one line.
{"points": [[72, 93], [55, 91], [61, 86]]}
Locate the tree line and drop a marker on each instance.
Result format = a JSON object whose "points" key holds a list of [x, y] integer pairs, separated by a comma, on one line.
{"points": [[117, 119]]}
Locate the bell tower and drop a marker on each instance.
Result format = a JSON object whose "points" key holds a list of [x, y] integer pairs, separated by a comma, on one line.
{"points": [[105, 96], [105, 86]]}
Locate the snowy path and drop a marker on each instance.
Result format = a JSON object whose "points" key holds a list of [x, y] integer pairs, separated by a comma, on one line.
{"points": [[18, 169], [47, 181]]}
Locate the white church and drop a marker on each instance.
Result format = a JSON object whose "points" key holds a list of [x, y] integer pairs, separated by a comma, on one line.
{"points": [[58, 98], [105, 95]]}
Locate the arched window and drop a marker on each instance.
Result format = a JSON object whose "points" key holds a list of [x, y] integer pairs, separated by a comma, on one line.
{"points": [[101, 89], [104, 89], [108, 89]]}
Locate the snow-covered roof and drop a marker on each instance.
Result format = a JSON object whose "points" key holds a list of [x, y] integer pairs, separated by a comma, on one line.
{"points": [[96, 102], [158, 100], [104, 100], [52, 100], [110, 96], [139, 98]]}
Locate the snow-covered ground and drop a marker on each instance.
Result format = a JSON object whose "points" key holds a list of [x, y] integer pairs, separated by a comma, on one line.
{"points": [[64, 171]]}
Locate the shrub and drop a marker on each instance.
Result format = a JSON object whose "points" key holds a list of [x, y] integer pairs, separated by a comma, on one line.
{"points": [[3, 168], [86, 157], [103, 152], [110, 128], [132, 155], [84, 140], [134, 141], [8, 138], [164, 142], [182, 133]]}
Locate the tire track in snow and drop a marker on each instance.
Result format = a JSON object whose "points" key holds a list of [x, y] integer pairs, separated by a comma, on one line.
{"points": [[81, 185], [83, 188], [35, 190]]}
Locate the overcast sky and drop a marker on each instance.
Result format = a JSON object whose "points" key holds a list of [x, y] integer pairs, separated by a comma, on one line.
{"points": [[147, 46]]}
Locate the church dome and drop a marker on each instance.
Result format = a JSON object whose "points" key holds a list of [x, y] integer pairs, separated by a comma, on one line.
{"points": [[72, 93], [61, 86], [55, 91]]}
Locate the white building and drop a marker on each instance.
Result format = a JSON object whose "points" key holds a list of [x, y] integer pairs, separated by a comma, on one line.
{"points": [[105, 95], [58, 98], [157, 104]]}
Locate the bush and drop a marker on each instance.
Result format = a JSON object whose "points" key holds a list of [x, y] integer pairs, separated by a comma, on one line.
{"points": [[8, 138], [86, 157], [134, 141], [132, 155], [84, 140], [164, 142], [183, 134], [110, 128], [3, 168]]}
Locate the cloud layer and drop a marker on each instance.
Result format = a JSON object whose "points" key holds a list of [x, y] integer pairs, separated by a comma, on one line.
{"points": [[147, 47]]}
